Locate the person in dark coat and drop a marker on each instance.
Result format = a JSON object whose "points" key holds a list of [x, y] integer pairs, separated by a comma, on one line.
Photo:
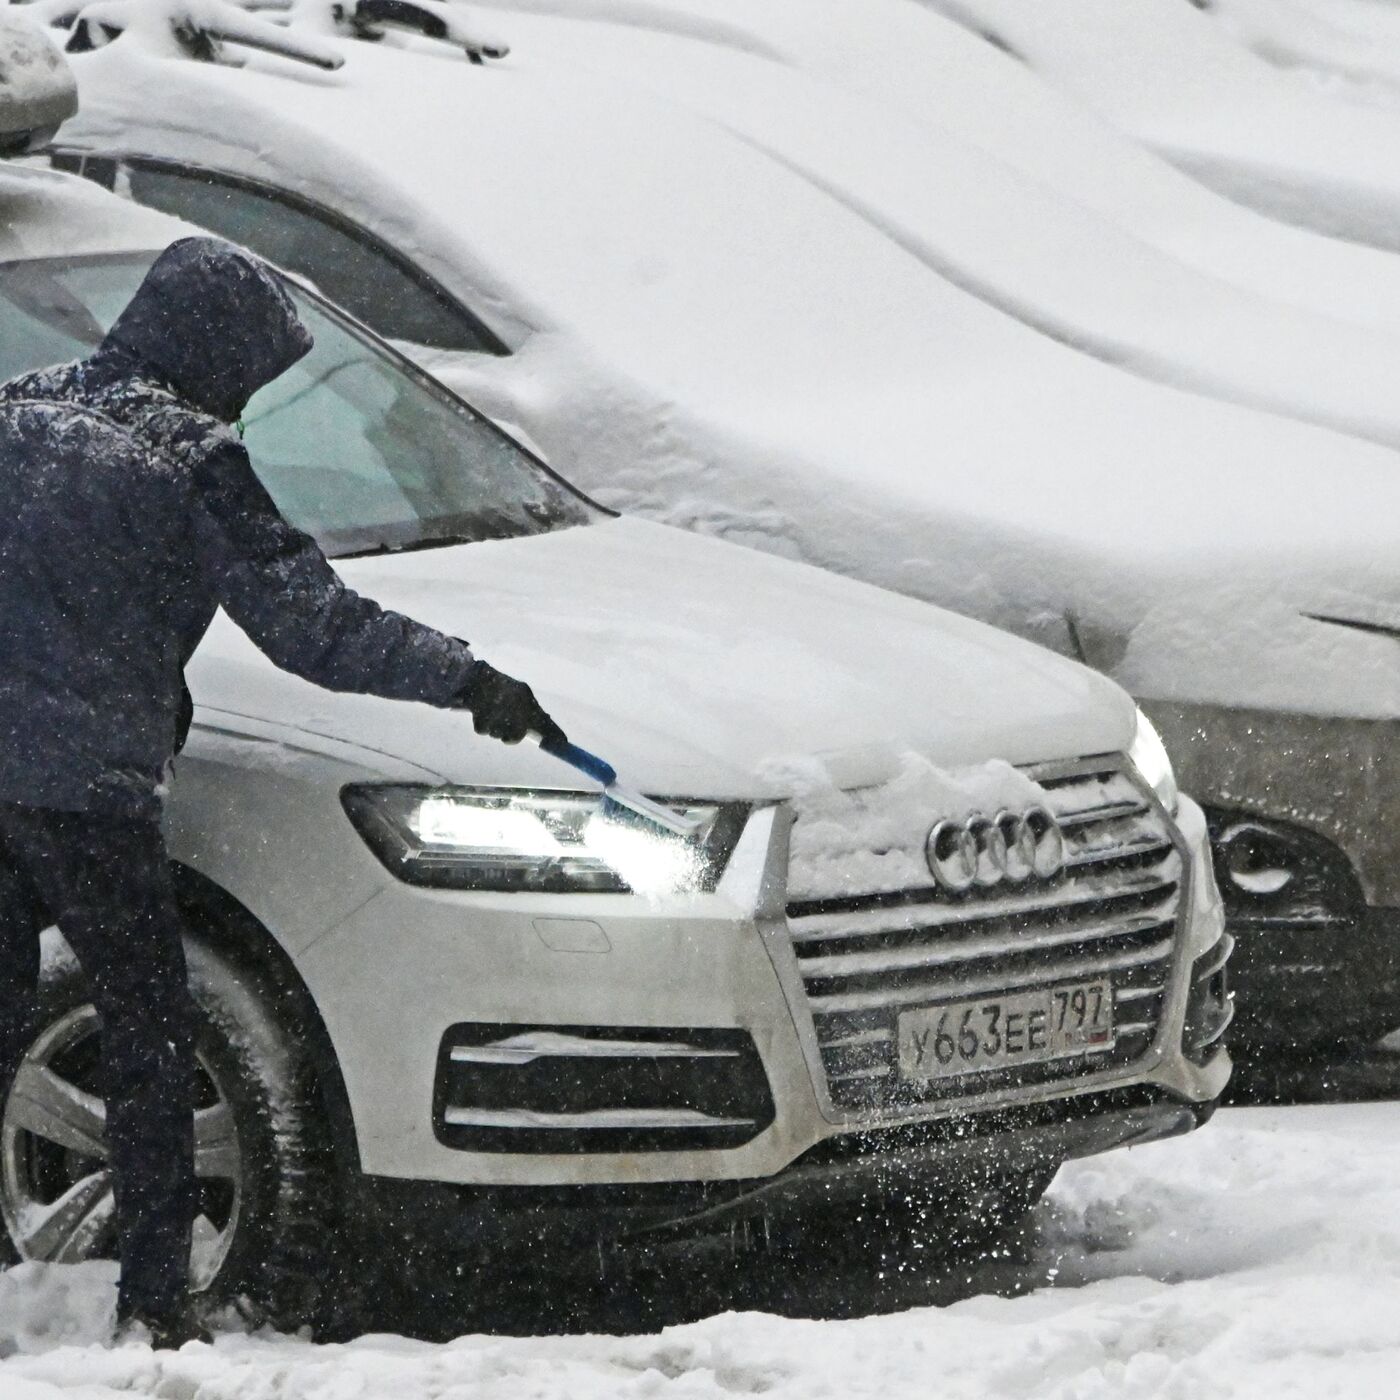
{"points": [[129, 513]]}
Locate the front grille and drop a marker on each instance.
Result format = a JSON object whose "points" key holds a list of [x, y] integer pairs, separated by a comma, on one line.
{"points": [[1111, 914]]}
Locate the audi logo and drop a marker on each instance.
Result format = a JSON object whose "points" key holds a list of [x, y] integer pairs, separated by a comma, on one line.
{"points": [[1009, 848]]}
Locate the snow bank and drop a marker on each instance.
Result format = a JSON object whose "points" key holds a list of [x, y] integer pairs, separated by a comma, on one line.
{"points": [[871, 840], [44, 1307], [1256, 1260]]}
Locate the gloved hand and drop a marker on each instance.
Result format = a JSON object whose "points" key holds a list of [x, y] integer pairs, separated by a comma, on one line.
{"points": [[503, 707]]}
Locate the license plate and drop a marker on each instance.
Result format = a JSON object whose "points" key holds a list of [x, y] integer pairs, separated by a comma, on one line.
{"points": [[972, 1037]]}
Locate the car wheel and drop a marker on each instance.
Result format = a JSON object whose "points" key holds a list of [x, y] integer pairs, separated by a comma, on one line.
{"points": [[263, 1228]]}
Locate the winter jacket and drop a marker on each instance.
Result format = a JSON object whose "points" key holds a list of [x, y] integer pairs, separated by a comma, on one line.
{"points": [[129, 512]]}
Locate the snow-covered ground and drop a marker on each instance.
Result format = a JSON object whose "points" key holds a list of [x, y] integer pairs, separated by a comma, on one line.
{"points": [[1257, 1258]]}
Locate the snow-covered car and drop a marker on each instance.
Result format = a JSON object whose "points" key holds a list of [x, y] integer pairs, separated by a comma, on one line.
{"points": [[1345, 46], [948, 76], [1009, 236], [1179, 81], [697, 331], [946, 918]]}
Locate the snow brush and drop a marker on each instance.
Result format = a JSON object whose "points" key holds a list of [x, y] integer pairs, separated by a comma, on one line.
{"points": [[619, 802]]}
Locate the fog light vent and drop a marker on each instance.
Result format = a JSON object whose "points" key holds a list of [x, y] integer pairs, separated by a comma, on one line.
{"points": [[1210, 1004], [532, 1088]]}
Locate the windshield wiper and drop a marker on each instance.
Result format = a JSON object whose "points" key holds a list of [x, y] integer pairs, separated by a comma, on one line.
{"points": [[405, 547]]}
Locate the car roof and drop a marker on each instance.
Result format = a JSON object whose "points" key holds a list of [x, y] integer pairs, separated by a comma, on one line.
{"points": [[576, 201], [44, 214]]}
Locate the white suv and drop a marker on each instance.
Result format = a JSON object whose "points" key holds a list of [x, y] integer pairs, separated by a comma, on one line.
{"points": [[439, 985]]}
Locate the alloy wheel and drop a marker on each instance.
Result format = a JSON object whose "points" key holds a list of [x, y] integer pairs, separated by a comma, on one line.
{"points": [[55, 1187]]}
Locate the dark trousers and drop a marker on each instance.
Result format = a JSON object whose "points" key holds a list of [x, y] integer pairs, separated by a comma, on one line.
{"points": [[106, 883]]}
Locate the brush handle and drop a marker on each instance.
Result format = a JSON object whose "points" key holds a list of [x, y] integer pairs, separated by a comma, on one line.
{"points": [[587, 763]]}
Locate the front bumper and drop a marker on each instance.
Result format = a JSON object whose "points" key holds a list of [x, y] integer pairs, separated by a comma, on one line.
{"points": [[396, 976], [914, 1162]]}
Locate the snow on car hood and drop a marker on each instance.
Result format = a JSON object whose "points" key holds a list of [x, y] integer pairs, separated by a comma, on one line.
{"points": [[696, 667]]}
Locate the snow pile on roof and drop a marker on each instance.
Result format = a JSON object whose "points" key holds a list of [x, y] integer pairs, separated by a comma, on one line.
{"points": [[1016, 243], [946, 76], [1353, 41], [33, 203], [870, 840], [1173, 77], [1257, 1260]]}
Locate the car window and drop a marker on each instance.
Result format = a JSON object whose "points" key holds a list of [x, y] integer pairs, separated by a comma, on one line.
{"points": [[356, 446], [354, 269]]}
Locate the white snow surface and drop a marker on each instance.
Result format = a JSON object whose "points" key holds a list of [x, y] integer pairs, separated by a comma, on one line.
{"points": [[1181, 82], [698, 661], [870, 840], [937, 72], [1258, 1259], [31, 68], [1293, 34], [1016, 243], [33, 202]]}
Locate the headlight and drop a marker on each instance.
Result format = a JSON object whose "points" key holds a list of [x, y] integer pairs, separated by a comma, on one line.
{"points": [[1149, 756], [503, 839]]}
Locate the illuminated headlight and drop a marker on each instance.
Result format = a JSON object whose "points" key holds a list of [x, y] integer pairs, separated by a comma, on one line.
{"points": [[1149, 756], [503, 839]]}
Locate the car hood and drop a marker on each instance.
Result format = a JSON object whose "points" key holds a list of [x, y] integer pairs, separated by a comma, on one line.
{"points": [[695, 666]]}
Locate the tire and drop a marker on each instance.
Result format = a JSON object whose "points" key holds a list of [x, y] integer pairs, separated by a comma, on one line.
{"points": [[265, 1232]]}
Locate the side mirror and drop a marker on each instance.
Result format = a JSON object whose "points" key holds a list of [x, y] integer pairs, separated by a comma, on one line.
{"points": [[37, 89]]}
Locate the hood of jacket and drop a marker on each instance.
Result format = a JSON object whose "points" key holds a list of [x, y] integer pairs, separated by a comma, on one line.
{"points": [[214, 322]]}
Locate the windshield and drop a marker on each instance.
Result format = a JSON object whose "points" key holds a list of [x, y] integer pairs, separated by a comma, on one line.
{"points": [[356, 447]]}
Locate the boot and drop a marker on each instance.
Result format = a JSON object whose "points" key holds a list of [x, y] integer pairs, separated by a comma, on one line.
{"points": [[164, 1330]]}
